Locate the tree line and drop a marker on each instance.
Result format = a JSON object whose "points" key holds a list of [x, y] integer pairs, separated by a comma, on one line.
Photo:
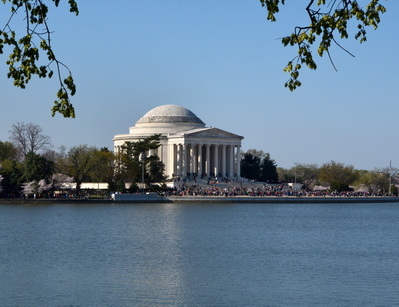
{"points": [[341, 177], [29, 165], [258, 165]]}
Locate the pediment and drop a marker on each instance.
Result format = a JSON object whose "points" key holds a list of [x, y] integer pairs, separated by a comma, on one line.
{"points": [[211, 133]]}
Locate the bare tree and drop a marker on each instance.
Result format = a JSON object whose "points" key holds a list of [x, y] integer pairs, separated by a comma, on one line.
{"points": [[29, 138]]}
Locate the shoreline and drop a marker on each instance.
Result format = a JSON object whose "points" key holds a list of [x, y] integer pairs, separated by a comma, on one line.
{"points": [[207, 199], [281, 200]]}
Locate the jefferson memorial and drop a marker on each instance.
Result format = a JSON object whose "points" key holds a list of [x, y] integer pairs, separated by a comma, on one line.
{"points": [[187, 147]]}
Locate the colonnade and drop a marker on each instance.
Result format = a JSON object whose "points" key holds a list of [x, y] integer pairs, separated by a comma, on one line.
{"points": [[203, 160]]}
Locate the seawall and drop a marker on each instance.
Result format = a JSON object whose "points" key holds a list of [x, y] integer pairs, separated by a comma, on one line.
{"points": [[281, 200], [205, 199]]}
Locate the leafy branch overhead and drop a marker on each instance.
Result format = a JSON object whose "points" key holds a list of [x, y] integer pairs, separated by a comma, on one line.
{"points": [[327, 22], [26, 51]]}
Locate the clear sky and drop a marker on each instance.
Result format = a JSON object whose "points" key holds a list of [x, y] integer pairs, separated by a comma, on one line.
{"points": [[223, 61]]}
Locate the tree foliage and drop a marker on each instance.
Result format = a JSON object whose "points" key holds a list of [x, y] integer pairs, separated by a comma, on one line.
{"points": [[374, 181], [28, 49], [257, 165], [250, 166], [78, 164], [328, 20], [12, 177], [134, 160], [338, 175], [377, 180], [129, 169], [40, 172], [7, 151], [37, 167], [105, 167], [155, 170], [306, 174], [268, 170]]}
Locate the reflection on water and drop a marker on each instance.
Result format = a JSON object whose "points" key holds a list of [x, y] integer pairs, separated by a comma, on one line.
{"points": [[208, 254]]}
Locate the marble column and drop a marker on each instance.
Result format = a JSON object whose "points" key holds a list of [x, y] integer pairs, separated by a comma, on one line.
{"points": [[196, 149], [192, 158], [160, 154], [199, 160], [238, 161], [208, 160], [216, 160], [171, 158], [223, 160], [184, 161], [178, 160], [231, 161]]}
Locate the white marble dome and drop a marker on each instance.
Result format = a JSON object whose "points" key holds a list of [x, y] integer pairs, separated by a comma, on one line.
{"points": [[166, 119], [169, 113]]}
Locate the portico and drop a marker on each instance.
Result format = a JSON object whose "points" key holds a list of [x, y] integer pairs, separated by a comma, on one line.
{"points": [[201, 157], [188, 148]]}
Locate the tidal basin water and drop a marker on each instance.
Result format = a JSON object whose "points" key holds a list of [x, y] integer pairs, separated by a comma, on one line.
{"points": [[199, 255]]}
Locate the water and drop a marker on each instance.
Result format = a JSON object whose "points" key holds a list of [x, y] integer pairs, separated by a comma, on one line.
{"points": [[199, 255]]}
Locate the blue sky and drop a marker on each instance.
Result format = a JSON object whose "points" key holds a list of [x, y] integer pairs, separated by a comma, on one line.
{"points": [[223, 61]]}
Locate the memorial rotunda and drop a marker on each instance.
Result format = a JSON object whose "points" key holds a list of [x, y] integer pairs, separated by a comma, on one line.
{"points": [[187, 147]]}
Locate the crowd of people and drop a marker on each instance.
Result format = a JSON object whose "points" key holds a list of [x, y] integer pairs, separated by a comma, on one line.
{"points": [[255, 190]]}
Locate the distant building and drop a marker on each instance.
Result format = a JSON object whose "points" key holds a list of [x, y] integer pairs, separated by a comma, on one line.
{"points": [[187, 147]]}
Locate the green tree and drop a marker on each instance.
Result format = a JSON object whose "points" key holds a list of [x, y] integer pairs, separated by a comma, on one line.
{"points": [[285, 174], [32, 52], [257, 153], [393, 190], [129, 164], [37, 167], [148, 143], [10, 170], [7, 151], [380, 180], [257, 165], [328, 21], [366, 181], [377, 180], [268, 170], [105, 167], [77, 163], [12, 177], [155, 170], [134, 160], [307, 174], [250, 166], [338, 175]]}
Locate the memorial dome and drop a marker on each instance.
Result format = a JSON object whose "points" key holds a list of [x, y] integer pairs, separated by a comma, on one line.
{"points": [[170, 113], [187, 148]]}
